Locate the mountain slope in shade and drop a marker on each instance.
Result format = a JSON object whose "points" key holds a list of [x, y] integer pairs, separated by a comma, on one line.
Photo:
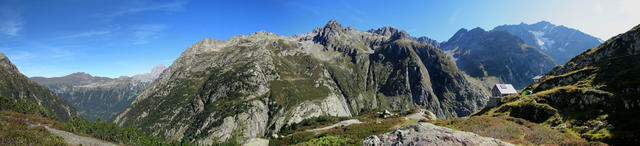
{"points": [[99, 97], [482, 54], [559, 42], [596, 94], [258, 83], [15, 85]]}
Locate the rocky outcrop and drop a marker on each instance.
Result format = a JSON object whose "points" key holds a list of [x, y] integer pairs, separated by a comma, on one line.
{"points": [[14, 84], [256, 84], [429, 134], [99, 97], [149, 77], [429, 41]]}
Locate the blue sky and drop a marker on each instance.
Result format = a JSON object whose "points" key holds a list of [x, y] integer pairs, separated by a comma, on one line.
{"points": [[113, 38]]}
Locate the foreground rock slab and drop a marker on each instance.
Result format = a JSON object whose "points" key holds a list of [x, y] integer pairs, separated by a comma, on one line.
{"points": [[429, 134]]}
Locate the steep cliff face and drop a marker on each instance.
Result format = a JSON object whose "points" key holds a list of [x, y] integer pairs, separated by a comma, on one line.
{"points": [[15, 85], [595, 94], [258, 83], [497, 54], [99, 97]]}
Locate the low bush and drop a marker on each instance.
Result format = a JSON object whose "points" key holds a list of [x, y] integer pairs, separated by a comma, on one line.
{"points": [[114, 133], [510, 129], [15, 131], [326, 141]]}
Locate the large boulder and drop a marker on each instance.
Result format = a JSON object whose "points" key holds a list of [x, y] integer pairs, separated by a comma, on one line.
{"points": [[429, 134]]}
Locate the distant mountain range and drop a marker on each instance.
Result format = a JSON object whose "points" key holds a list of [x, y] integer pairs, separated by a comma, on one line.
{"points": [[483, 54], [99, 97], [559, 42], [515, 53]]}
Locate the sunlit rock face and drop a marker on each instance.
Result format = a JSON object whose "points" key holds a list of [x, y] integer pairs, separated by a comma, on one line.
{"points": [[258, 83]]}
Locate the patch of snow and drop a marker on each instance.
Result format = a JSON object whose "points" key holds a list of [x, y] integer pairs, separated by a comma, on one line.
{"points": [[538, 35], [542, 41], [548, 41]]}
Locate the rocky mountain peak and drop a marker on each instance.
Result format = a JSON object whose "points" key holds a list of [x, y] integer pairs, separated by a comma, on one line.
{"points": [[204, 45], [258, 35], [333, 24], [149, 77], [543, 24], [391, 32], [559, 42], [331, 27], [483, 53], [206, 40], [464, 35], [158, 69], [387, 31], [459, 34], [80, 75], [461, 31], [324, 35], [429, 41], [477, 30]]}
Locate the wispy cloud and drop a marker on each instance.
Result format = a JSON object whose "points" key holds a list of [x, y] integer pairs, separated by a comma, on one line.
{"points": [[20, 55], [454, 16], [303, 7], [11, 22], [356, 13], [143, 33], [85, 34], [62, 53], [65, 52], [145, 6]]}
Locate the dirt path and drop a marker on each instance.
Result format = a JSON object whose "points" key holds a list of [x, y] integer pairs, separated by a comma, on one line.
{"points": [[341, 123], [73, 139]]}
